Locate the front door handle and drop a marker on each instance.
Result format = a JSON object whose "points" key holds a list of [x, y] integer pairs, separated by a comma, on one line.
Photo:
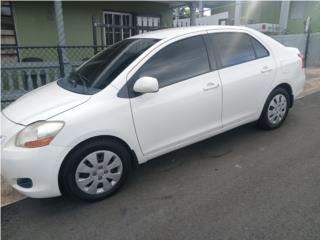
{"points": [[210, 86], [266, 69]]}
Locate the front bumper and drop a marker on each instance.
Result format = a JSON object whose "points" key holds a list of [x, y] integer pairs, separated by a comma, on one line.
{"points": [[41, 165]]}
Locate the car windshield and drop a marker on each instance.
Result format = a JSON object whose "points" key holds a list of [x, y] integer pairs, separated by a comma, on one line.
{"points": [[103, 68]]}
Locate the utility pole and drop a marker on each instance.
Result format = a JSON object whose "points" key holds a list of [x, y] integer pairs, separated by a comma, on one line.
{"points": [[200, 8], [284, 14], [237, 13]]}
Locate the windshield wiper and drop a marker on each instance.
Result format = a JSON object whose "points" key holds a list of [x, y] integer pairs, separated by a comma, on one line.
{"points": [[80, 77]]}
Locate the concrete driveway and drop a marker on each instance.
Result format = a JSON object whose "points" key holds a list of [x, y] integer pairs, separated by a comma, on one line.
{"points": [[244, 184]]}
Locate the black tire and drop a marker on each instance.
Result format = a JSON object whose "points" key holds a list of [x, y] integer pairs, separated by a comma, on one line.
{"points": [[264, 122], [67, 179]]}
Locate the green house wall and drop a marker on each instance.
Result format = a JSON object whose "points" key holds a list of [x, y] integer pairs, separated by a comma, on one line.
{"points": [[269, 12], [259, 11], [311, 9], [35, 21]]}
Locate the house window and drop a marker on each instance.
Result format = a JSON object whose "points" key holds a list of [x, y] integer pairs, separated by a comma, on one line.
{"points": [[8, 33], [120, 26]]}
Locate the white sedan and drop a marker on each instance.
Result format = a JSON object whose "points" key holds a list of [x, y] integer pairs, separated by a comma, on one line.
{"points": [[140, 98]]}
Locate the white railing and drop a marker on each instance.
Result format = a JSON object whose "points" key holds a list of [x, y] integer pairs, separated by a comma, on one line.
{"points": [[19, 78], [25, 68]]}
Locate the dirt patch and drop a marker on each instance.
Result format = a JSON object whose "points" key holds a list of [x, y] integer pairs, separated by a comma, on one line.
{"points": [[8, 194], [312, 84]]}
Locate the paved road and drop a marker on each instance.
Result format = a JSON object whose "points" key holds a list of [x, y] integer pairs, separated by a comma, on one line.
{"points": [[244, 184]]}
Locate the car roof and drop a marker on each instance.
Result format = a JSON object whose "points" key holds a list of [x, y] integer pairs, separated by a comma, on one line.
{"points": [[175, 32]]}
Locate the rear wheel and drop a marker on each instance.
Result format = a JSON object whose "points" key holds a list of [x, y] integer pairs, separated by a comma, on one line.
{"points": [[275, 110], [95, 170]]}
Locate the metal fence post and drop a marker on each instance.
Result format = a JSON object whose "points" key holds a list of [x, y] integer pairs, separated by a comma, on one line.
{"points": [[94, 34], [61, 37], [61, 62], [308, 30]]}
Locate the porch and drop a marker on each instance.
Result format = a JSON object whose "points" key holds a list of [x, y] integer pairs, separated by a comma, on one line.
{"points": [[25, 68]]}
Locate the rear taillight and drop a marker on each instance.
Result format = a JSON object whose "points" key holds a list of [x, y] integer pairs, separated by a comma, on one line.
{"points": [[300, 55]]}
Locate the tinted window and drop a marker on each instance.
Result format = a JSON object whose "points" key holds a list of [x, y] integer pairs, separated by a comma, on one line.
{"points": [[103, 68], [233, 48], [260, 50], [179, 61]]}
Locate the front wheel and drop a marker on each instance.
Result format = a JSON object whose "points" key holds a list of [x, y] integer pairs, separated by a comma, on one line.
{"points": [[95, 170], [275, 110]]}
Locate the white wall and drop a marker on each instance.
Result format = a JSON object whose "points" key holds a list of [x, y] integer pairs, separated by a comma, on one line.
{"points": [[209, 20], [299, 41]]}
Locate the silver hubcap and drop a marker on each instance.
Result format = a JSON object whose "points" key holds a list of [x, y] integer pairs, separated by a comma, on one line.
{"points": [[98, 172], [277, 108]]}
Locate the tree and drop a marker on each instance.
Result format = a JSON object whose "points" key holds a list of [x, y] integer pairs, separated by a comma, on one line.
{"points": [[184, 12]]}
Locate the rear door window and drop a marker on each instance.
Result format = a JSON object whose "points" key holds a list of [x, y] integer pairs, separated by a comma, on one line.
{"points": [[232, 48], [259, 49]]}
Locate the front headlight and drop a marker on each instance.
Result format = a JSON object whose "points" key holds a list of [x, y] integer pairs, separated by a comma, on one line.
{"points": [[38, 134]]}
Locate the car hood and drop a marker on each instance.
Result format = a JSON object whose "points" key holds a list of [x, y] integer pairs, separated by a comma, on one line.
{"points": [[43, 103]]}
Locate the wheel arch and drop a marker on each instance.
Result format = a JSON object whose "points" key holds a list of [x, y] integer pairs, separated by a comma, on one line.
{"points": [[285, 86], [134, 159], [288, 88]]}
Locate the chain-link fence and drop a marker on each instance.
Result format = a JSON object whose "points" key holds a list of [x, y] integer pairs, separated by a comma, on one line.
{"points": [[26, 68]]}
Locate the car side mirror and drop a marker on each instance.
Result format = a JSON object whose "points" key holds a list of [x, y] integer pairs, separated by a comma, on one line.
{"points": [[146, 85]]}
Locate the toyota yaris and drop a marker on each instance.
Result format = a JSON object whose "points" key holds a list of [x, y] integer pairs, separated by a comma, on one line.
{"points": [[140, 98]]}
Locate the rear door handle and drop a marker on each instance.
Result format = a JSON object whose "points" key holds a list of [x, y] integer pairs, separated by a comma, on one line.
{"points": [[210, 86], [266, 69]]}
